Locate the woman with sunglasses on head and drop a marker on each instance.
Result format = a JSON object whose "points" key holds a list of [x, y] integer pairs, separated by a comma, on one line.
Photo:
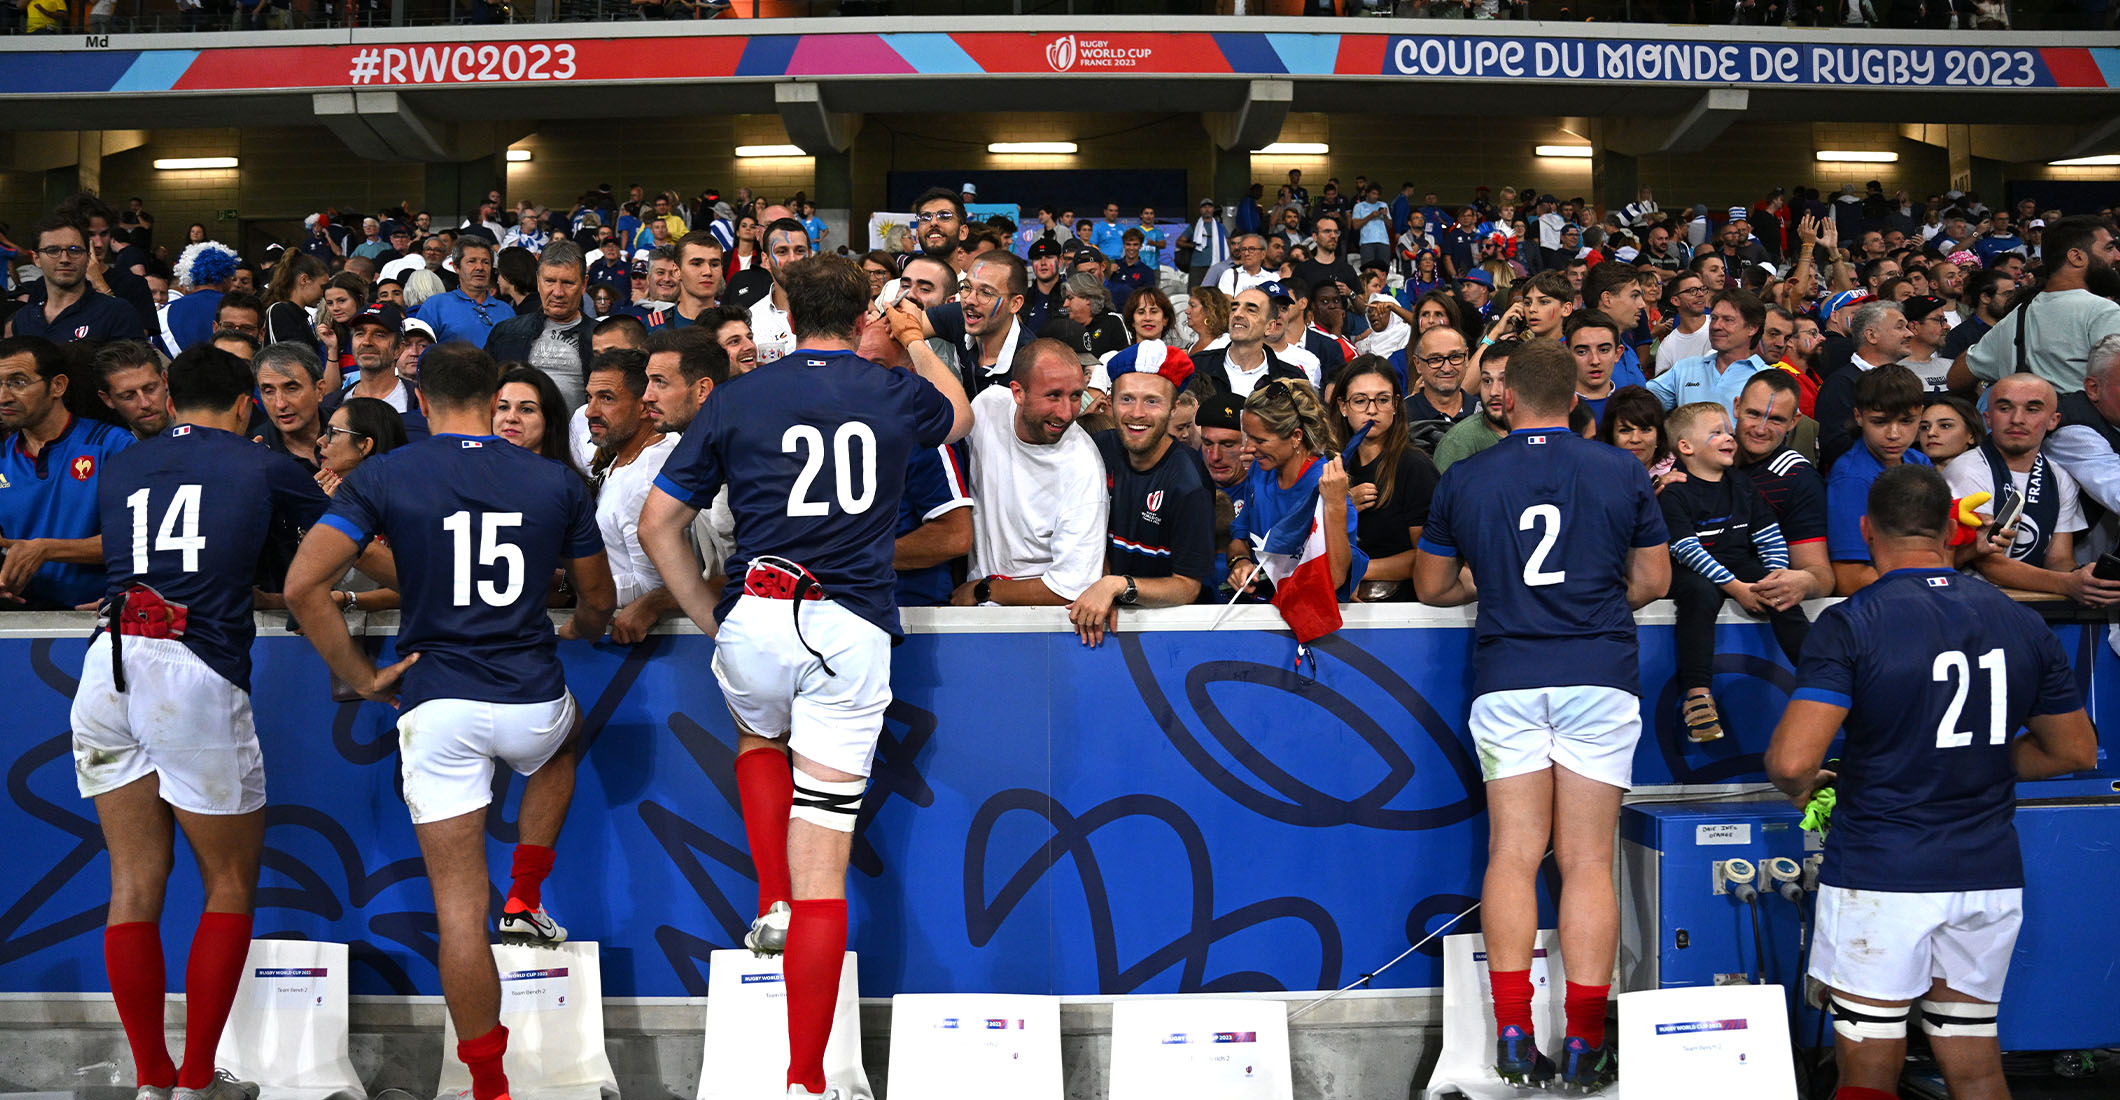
{"points": [[1389, 482], [1293, 446]]}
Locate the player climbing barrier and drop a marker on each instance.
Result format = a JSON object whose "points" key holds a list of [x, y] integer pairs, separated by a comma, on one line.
{"points": [[1174, 811]]}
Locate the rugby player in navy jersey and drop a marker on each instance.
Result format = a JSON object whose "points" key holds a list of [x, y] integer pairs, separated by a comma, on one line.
{"points": [[478, 526], [1933, 674], [814, 449], [1565, 541], [162, 727]]}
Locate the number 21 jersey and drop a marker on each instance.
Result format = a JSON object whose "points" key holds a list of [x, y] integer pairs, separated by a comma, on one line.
{"points": [[477, 525], [1547, 518]]}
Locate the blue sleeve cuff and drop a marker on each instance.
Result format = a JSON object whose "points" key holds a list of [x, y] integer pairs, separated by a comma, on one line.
{"points": [[345, 527], [663, 482], [1821, 695], [1430, 546]]}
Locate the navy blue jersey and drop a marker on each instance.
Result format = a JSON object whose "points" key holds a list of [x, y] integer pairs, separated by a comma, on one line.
{"points": [[1162, 518], [814, 450], [934, 487], [1938, 672], [188, 513], [52, 495], [1546, 519], [478, 525]]}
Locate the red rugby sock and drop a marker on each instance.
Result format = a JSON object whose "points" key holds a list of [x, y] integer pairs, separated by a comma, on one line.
{"points": [[817, 945], [132, 954], [766, 789], [1586, 1013], [1512, 999], [527, 877], [210, 980], [482, 1056]]}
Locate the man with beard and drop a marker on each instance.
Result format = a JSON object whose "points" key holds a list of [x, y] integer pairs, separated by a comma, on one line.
{"points": [[2070, 314], [1161, 529], [1245, 362], [51, 546], [938, 223], [1988, 296], [630, 451], [469, 312], [684, 367], [785, 241], [1474, 434], [980, 326], [1038, 488], [375, 352], [130, 380], [698, 258], [2021, 410], [71, 309]]}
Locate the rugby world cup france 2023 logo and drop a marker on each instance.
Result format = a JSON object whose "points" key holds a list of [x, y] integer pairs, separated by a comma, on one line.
{"points": [[1060, 53]]}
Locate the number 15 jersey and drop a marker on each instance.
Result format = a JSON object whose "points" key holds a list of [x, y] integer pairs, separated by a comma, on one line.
{"points": [[1547, 518], [477, 525]]}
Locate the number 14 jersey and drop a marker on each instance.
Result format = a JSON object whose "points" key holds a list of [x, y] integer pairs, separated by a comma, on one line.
{"points": [[477, 525], [1546, 518]]}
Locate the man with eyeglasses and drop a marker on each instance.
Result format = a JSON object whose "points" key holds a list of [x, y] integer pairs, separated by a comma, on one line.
{"points": [[938, 222], [51, 543], [1250, 271], [980, 326], [71, 309], [1439, 358], [469, 312]]}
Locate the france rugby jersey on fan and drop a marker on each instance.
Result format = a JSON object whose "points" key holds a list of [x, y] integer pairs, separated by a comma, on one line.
{"points": [[477, 525], [52, 494], [188, 513], [1938, 671], [814, 449], [1546, 518]]}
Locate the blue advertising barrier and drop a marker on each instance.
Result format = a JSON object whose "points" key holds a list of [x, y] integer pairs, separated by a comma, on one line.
{"points": [[1174, 811]]}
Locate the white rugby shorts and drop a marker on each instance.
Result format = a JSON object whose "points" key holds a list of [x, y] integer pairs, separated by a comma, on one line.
{"points": [[177, 718], [1891, 946], [1590, 731], [776, 688], [446, 749]]}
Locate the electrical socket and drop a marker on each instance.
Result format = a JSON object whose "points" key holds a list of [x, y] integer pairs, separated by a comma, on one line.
{"points": [[1729, 871]]}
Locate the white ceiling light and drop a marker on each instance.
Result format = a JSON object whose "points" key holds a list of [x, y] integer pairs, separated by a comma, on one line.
{"points": [[1031, 147], [183, 164], [1856, 156], [2106, 160], [770, 151], [1569, 152], [1295, 149], [518, 156]]}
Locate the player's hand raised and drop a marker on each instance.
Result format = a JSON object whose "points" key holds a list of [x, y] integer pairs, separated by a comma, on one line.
{"points": [[383, 689]]}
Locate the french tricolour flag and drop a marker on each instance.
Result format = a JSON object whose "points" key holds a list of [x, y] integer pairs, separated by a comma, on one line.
{"points": [[1292, 555]]}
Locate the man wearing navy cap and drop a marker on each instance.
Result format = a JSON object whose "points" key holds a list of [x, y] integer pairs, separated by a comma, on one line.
{"points": [[1042, 302], [376, 341]]}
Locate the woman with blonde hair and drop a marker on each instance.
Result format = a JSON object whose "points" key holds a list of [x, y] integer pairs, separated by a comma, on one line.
{"points": [[1295, 459], [1207, 315]]}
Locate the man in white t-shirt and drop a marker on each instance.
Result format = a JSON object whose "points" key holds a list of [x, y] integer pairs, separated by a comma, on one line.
{"points": [[2022, 409], [1038, 489], [1688, 338], [785, 242], [630, 452]]}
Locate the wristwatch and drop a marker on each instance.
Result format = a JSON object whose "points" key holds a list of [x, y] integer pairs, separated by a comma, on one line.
{"points": [[1131, 594], [983, 591]]}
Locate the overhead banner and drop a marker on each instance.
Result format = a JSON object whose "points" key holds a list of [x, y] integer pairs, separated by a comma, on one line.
{"points": [[1830, 60]]}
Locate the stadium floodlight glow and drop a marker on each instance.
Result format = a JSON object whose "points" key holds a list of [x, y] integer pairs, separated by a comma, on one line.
{"points": [[1566, 152], [1295, 149], [186, 164], [1856, 156], [770, 151], [518, 156], [1063, 147], [2106, 160]]}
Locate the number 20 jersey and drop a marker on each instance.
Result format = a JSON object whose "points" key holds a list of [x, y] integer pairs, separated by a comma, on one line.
{"points": [[1938, 671], [477, 525], [814, 449], [1546, 518]]}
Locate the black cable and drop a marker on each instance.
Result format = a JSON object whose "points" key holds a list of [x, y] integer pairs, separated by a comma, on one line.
{"points": [[1759, 943]]}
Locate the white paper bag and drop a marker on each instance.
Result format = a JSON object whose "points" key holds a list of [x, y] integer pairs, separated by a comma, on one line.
{"points": [[746, 1053], [287, 1029], [1736, 1036], [552, 1002], [1467, 1062], [1227, 1048], [969, 1046]]}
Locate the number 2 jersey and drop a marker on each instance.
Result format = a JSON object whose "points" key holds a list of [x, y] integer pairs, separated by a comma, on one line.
{"points": [[1938, 671], [188, 513], [814, 449], [477, 525], [1547, 518]]}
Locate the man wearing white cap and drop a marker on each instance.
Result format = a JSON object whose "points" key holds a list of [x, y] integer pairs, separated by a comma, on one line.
{"points": [[413, 341]]}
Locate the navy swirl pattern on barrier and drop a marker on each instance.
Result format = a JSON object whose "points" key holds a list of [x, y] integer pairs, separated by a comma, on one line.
{"points": [[687, 844], [1430, 914], [1071, 837], [1726, 760], [1299, 803], [897, 772]]}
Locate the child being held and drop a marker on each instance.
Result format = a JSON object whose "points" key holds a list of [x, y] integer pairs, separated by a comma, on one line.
{"points": [[1724, 539]]}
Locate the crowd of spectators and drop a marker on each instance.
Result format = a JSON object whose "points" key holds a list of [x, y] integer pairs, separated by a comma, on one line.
{"points": [[1765, 363], [104, 16]]}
